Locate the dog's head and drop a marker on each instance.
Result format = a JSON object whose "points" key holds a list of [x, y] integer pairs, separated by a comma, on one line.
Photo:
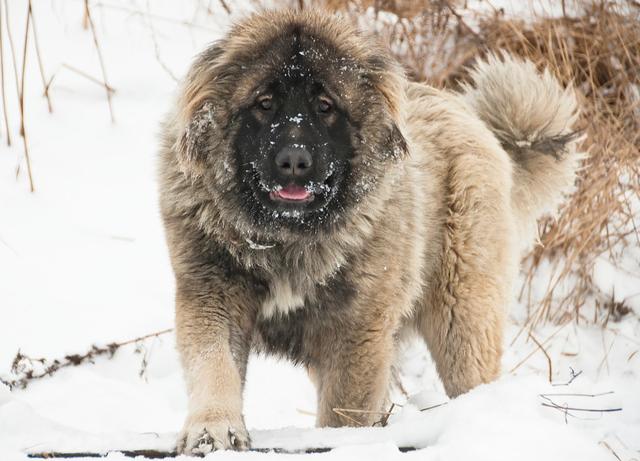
{"points": [[291, 121]]}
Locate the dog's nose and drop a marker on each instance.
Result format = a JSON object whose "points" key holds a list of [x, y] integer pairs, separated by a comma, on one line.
{"points": [[293, 161]]}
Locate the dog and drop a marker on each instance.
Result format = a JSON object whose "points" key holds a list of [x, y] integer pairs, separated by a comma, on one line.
{"points": [[320, 207]]}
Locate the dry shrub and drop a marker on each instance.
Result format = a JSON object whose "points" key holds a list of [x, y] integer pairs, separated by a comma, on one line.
{"points": [[401, 8], [598, 51], [595, 48]]}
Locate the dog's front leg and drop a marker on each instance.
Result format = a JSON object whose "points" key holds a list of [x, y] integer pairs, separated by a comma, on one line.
{"points": [[213, 337], [353, 378]]}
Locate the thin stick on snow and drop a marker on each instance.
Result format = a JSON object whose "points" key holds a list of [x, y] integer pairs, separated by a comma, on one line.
{"points": [[591, 410], [23, 131], [39, 55], [577, 394], [12, 47], [602, 442], [573, 376], [88, 77], [341, 412], [98, 50], [156, 47], [385, 418], [133, 11], [4, 94], [544, 351], [519, 364], [434, 406], [22, 365], [225, 6], [382, 422], [364, 412], [566, 409]]}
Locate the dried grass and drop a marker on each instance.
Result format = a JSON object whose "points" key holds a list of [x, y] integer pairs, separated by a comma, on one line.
{"points": [[595, 46]]}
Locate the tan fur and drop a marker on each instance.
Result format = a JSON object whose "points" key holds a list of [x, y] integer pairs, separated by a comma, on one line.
{"points": [[444, 187]]}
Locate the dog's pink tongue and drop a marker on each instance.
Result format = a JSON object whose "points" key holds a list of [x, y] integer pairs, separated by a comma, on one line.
{"points": [[293, 192]]}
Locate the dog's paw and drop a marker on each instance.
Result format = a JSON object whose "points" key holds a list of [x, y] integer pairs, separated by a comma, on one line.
{"points": [[199, 437]]}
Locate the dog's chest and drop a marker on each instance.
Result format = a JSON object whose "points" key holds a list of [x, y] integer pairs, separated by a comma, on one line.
{"points": [[283, 298]]}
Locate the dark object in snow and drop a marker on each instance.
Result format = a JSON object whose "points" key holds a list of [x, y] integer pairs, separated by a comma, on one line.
{"points": [[155, 454]]}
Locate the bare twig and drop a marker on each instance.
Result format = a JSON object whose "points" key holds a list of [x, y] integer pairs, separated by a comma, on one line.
{"points": [[574, 394], [23, 365], [521, 362], [343, 412], [566, 409], [97, 45], [39, 56], [462, 22], [12, 47], [385, 417], [544, 351], [225, 6], [573, 376], [592, 410], [608, 447], [88, 77], [4, 94], [434, 406], [156, 47], [23, 131], [134, 11]]}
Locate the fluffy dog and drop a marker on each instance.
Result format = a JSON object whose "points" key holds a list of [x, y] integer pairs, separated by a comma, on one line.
{"points": [[320, 207]]}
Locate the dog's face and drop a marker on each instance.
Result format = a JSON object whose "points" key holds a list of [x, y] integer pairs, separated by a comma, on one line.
{"points": [[299, 132], [294, 146]]}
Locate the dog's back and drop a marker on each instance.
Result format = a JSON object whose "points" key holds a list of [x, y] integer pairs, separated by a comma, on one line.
{"points": [[493, 159]]}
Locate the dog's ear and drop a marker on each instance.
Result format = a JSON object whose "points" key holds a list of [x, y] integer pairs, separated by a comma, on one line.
{"points": [[398, 143], [197, 114], [192, 142]]}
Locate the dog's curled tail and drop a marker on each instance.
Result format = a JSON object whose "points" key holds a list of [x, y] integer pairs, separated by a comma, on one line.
{"points": [[532, 116]]}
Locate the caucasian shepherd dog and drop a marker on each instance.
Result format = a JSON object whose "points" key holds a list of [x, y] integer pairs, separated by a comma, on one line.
{"points": [[320, 207]]}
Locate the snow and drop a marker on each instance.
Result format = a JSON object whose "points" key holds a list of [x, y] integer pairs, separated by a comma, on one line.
{"points": [[83, 261]]}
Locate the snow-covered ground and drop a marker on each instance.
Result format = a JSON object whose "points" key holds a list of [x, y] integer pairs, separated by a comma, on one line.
{"points": [[83, 261]]}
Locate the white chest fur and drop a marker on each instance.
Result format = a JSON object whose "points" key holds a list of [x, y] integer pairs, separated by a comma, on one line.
{"points": [[282, 299]]}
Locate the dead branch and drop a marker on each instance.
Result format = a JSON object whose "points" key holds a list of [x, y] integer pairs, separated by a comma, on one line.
{"points": [[560, 394], [573, 376], [343, 412], [88, 77], [385, 417], [134, 11], [156, 47], [462, 22], [225, 6], [608, 447], [519, 364], [434, 406], [566, 409], [12, 47], [24, 367], [23, 130], [39, 56], [89, 19], [4, 94], [544, 351]]}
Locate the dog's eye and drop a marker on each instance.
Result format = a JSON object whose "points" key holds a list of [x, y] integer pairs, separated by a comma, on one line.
{"points": [[265, 102], [325, 105]]}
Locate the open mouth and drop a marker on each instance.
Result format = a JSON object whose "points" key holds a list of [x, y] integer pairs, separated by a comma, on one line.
{"points": [[292, 194]]}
